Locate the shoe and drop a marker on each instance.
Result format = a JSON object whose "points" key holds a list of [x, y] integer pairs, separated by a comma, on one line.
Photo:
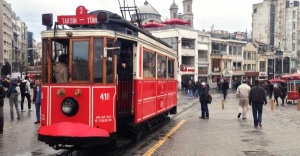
{"points": [[277, 105], [23, 110], [202, 117], [255, 126], [18, 118], [244, 118], [259, 124], [30, 110], [282, 104], [37, 122], [207, 118], [239, 115]]}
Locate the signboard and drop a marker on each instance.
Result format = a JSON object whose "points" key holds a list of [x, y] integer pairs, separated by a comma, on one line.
{"points": [[80, 18]]}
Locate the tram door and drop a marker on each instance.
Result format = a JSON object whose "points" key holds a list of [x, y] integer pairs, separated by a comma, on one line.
{"points": [[125, 82]]}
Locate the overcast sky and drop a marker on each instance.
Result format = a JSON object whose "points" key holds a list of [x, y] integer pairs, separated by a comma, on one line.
{"points": [[229, 15]]}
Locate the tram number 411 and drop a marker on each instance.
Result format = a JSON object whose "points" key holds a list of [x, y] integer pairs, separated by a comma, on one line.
{"points": [[104, 96]]}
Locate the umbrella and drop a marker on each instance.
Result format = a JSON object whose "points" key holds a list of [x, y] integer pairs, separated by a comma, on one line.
{"points": [[276, 81], [176, 21], [152, 25]]}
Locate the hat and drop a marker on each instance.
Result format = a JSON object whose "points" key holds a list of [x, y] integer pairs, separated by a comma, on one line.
{"points": [[8, 76], [203, 83], [244, 81]]}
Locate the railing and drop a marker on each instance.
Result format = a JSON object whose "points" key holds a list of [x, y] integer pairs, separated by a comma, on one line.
{"points": [[216, 52]]}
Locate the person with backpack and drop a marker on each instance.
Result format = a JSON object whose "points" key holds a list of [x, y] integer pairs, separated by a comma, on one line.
{"points": [[203, 97], [13, 93], [2, 96], [25, 92]]}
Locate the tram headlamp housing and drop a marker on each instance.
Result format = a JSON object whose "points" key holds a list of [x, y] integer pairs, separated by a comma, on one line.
{"points": [[47, 19], [102, 17], [69, 107]]}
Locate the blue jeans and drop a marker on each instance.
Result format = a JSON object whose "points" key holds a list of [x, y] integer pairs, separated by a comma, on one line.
{"points": [[37, 111], [257, 110], [190, 93], [204, 110], [224, 94]]}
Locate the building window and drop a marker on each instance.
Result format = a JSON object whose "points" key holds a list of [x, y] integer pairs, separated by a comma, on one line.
{"points": [[294, 47], [215, 65], [253, 67], [245, 56], [188, 8], [262, 66], [253, 56], [249, 56], [255, 10], [237, 66], [230, 50]]}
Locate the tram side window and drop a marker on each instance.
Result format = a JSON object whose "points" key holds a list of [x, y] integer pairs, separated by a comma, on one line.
{"points": [[80, 62], [171, 68], [98, 60], [149, 64], [161, 66]]}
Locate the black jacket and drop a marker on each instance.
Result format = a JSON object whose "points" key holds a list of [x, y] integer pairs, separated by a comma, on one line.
{"points": [[257, 95], [2, 96], [203, 95]]}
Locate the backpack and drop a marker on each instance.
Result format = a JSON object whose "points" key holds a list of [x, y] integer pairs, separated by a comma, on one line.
{"points": [[209, 99], [11, 90], [23, 87]]}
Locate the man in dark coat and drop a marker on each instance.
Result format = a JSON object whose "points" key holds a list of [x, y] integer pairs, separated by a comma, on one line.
{"points": [[225, 87], [203, 101], [2, 96], [257, 98]]}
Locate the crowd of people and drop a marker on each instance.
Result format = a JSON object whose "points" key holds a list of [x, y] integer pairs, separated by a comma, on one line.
{"points": [[11, 88]]}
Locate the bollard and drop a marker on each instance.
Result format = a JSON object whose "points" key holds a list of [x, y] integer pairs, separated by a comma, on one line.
{"points": [[272, 104], [222, 103], [298, 104]]}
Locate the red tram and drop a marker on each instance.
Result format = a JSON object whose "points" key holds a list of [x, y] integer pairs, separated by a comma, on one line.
{"points": [[121, 80]]}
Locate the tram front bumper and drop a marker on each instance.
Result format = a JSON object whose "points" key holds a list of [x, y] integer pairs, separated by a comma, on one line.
{"points": [[69, 133]]}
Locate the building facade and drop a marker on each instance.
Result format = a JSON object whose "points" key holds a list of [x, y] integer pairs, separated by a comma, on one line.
{"points": [[276, 23]]}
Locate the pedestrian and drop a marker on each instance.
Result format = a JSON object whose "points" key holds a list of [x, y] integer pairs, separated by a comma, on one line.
{"points": [[25, 92], [277, 93], [2, 96], [283, 94], [257, 98], [13, 93], [203, 97], [225, 87], [37, 100], [190, 89], [271, 89], [243, 94]]}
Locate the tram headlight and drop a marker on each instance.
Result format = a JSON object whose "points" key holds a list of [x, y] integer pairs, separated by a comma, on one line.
{"points": [[69, 106], [102, 17]]}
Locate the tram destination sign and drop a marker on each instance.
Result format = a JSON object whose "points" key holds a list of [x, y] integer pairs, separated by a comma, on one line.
{"points": [[80, 18]]}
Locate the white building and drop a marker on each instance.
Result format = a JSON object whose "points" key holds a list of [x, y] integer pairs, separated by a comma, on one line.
{"points": [[277, 23]]}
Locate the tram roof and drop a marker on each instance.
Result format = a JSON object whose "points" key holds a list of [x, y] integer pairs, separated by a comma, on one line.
{"points": [[118, 23]]}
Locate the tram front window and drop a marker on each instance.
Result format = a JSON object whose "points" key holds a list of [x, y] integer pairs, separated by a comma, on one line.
{"points": [[80, 62]]}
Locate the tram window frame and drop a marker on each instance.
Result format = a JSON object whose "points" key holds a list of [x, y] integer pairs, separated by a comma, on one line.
{"points": [[152, 70], [46, 60], [113, 62], [71, 65], [168, 69], [159, 66]]}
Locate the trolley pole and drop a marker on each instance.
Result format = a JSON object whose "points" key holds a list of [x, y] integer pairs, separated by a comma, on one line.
{"points": [[222, 103], [272, 104]]}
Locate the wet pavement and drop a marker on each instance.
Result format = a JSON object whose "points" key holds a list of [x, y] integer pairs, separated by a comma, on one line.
{"points": [[225, 134], [20, 136]]}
